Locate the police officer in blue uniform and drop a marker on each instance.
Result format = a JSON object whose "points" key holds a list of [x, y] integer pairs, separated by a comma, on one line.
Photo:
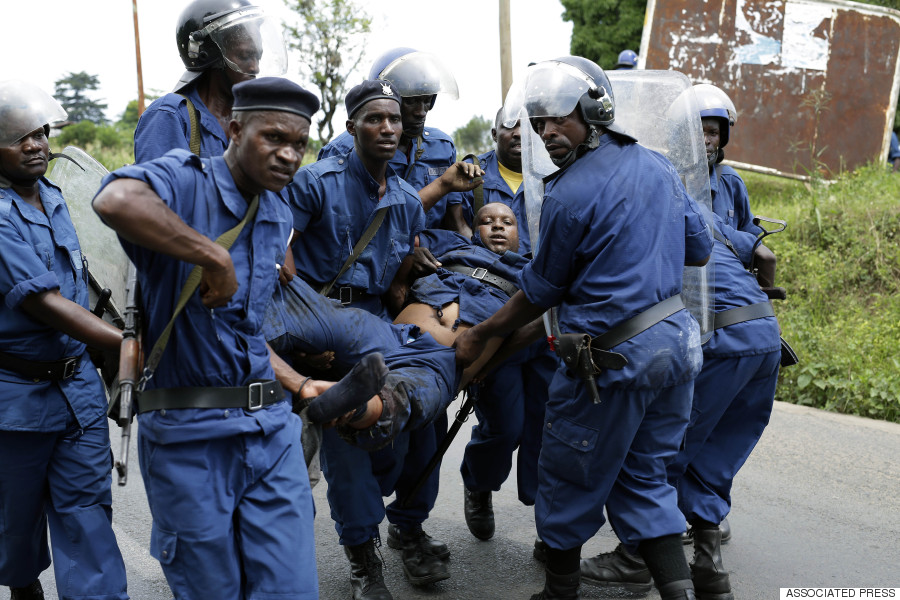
{"points": [[221, 43], [219, 448], [627, 60], [334, 202], [503, 178], [424, 154], [613, 214], [730, 199], [732, 403], [54, 438]]}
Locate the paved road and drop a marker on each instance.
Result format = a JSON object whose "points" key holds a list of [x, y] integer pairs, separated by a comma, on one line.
{"points": [[818, 504]]}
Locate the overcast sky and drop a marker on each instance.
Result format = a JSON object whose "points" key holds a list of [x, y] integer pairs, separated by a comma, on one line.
{"points": [[44, 40]]}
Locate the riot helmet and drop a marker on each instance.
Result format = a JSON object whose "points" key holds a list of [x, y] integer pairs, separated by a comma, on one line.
{"points": [[713, 102], [214, 34], [25, 107], [555, 88], [627, 60], [415, 73]]}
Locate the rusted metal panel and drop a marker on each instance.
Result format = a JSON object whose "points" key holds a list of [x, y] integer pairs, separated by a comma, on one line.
{"points": [[815, 82]]}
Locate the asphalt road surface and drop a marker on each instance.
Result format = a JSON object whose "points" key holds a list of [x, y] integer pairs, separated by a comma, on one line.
{"points": [[817, 505]]}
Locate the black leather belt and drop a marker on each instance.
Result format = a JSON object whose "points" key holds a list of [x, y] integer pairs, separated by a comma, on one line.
{"points": [[252, 397], [638, 323], [38, 370], [743, 313], [348, 295], [482, 274]]}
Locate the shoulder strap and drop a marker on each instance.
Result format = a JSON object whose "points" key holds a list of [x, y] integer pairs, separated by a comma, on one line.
{"points": [[477, 193], [367, 236], [190, 285], [420, 150], [194, 116]]}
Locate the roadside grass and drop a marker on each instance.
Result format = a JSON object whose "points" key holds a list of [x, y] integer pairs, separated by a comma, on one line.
{"points": [[839, 260]]}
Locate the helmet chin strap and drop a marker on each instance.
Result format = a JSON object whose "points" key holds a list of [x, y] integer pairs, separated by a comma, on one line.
{"points": [[592, 141]]}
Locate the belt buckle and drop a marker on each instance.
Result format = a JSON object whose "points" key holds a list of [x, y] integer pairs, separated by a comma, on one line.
{"points": [[345, 298], [69, 367], [479, 273], [257, 402]]}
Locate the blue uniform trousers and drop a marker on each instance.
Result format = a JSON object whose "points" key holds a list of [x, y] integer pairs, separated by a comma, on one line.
{"points": [[256, 513], [733, 400], [510, 412], [612, 454], [62, 478]]}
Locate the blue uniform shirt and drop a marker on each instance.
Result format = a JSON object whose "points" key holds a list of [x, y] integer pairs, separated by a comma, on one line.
{"points": [[894, 148], [40, 252], [731, 201], [221, 347], [418, 170], [166, 124], [497, 190], [333, 201], [736, 287], [617, 227]]}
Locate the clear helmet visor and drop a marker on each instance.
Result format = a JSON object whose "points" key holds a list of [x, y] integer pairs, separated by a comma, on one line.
{"points": [[420, 74], [25, 107], [250, 42], [553, 89]]}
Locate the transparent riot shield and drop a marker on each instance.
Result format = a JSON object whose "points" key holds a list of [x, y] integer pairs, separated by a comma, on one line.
{"points": [[79, 179], [660, 110]]}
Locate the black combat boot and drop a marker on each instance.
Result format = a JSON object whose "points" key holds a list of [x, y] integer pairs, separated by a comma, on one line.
{"points": [[618, 568], [366, 579], [724, 527], [420, 566], [479, 512], [30, 592], [682, 589], [432, 546], [559, 587], [540, 550], [710, 578]]}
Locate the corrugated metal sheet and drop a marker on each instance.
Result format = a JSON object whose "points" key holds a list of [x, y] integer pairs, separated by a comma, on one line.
{"points": [[815, 83]]}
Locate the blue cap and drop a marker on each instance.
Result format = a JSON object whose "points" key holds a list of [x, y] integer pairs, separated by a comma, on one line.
{"points": [[366, 92], [274, 93]]}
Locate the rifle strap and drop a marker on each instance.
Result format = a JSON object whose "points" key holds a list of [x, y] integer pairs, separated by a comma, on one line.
{"points": [[478, 192], [420, 150], [190, 285], [194, 117], [367, 236]]}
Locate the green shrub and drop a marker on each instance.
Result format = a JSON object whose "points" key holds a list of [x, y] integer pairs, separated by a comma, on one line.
{"points": [[839, 260], [80, 134]]}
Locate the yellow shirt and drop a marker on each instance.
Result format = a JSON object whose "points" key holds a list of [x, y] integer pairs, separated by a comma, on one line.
{"points": [[512, 179]]}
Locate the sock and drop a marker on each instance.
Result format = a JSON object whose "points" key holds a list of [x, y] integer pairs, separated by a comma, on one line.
{"points": [[701, 524], [563, 562], [354, 389], [665, 559]]}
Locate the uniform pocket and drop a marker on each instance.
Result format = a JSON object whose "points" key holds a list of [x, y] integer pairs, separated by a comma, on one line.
{"points": [[163, 545], [568, 450]]}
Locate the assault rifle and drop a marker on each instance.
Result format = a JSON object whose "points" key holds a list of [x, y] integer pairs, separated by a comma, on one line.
{"points": [[131, 364]]}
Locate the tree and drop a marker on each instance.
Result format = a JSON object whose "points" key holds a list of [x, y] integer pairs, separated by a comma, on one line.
{"points": [[329, 40], [72, 92], [474, 137], [603, 28]]}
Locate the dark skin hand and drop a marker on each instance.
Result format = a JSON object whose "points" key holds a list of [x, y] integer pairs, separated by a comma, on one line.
{"points": [[516, 313]]}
